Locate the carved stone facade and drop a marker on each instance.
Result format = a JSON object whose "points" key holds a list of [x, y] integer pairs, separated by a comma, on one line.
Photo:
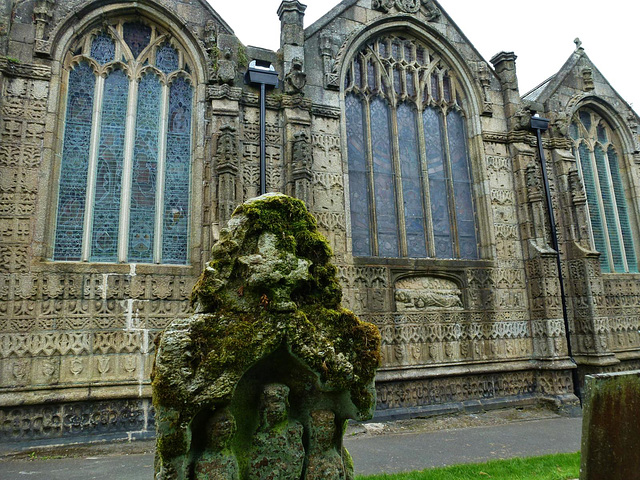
{"points": [[77, 337]]}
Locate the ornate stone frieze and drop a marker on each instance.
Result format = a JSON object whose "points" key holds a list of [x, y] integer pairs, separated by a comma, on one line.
{"points": [[14, 68], [424, 293], [408, 6], [435, 391], [325, 111], [114, 417]]}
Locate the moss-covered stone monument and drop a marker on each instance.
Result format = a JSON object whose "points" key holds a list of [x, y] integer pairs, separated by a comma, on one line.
{"points": [[260, 381]]}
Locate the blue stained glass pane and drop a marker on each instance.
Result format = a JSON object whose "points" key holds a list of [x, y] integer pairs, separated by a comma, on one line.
{"points": [[75, 164], [106, 208], [435, 88], [438, 179], [446, 88], [412, 190], [176, 194], [397, 82], [411, 88], [357, 68], [371, 75], [585, 118], [145, 162], [465, 212], [623, 215], [358, 177], [103, 48], [137, 36], [609, 210], [167, 59], [383, 179], [594, 209]]}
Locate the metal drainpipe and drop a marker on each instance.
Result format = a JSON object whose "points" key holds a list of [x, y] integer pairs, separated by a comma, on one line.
{"points": [[540, 124], [262, 73]]}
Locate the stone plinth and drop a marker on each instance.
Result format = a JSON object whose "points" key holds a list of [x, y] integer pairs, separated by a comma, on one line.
{"points": [[611, 427], [260, 381]]}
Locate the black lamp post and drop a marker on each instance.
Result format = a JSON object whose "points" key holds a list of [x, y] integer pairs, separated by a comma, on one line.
{"points": [[262, 73]]}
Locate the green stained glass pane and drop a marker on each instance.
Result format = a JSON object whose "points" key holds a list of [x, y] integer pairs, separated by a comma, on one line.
{"points": [[585, 118], [594, 209], [74, 164], [609, 210], [144, 174], [412, 190], [358, 177], [383, 179], [106, 208], [623, 215], [573, 131], [602, 133], [176, 197]]}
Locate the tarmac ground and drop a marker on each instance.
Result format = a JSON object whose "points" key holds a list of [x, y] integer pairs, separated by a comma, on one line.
{"points": [[396, 446]]}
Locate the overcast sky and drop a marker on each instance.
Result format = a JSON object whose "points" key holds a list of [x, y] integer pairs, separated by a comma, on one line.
{"points": [[541, 33]]}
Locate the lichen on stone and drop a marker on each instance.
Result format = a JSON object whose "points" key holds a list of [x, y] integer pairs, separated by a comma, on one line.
{"points": [[267, 313]]}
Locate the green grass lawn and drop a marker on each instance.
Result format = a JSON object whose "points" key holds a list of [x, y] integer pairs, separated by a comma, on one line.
{"points": [[561, 466]]}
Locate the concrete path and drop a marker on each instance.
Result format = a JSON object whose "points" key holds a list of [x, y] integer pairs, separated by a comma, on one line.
{"points": [[384, 453]]}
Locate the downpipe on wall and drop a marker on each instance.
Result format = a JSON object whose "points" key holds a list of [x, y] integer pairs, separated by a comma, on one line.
{"points": [[540, 125]]}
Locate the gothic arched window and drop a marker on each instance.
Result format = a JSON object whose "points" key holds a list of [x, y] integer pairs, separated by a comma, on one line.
{"points": [[409, 174], [596, 153], [126, 148]]}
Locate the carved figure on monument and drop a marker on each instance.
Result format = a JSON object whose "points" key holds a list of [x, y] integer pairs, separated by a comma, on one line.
{"points": [[421, 293], [325, 462], [277, 450], [268, 345], [218, 461]]}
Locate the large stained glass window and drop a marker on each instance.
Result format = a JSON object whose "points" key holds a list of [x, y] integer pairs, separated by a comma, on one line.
{"points": [[125, 171], [596, 153], [410, 179]]}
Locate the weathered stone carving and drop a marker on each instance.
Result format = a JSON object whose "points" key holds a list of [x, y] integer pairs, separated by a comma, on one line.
{"points": [[296, 79], [227, 170], [420, 293], [588, 84], [408, 6], [269, 345], [227, 67], [301, 168], [277, 450], [329, 46]]}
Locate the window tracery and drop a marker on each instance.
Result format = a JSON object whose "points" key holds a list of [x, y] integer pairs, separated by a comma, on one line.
{"points": [[126, 148], [409, 173], [598, 159]]}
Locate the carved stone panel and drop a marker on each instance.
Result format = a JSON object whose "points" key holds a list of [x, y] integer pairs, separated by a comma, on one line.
{"points": [[425, 293]]}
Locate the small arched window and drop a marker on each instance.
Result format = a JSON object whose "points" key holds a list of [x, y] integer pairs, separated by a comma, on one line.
{"points": [[123, 192], [409, 175], [596, 152]]}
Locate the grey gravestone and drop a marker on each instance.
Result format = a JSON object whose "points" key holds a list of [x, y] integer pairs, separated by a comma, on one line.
{"points": [[611, 427], [260, 382]]}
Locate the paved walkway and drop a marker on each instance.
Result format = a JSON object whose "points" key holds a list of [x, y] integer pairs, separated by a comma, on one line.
{"points": [[374, 450]]}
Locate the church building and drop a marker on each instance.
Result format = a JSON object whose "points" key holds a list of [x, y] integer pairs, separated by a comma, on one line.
{"points": [[128, 136]]}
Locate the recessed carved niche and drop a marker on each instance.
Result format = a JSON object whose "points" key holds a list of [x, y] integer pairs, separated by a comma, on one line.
{"points": [[415, 294]]}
